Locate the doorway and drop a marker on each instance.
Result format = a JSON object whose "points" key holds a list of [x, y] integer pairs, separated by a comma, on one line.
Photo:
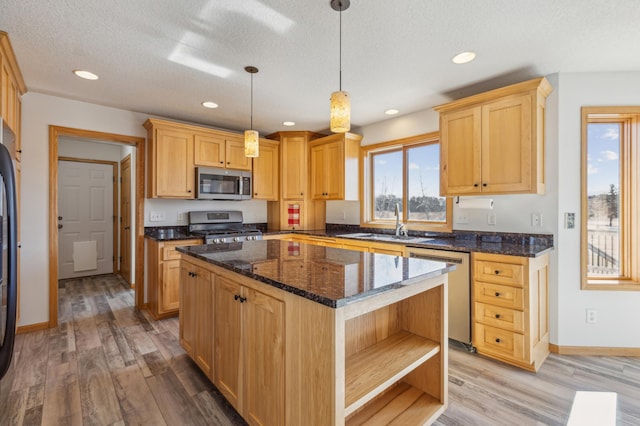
{"points": [[137, 144], [125, 219]]}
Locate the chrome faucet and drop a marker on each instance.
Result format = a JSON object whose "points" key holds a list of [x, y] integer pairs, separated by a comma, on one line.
{"points": [[399, 226]]}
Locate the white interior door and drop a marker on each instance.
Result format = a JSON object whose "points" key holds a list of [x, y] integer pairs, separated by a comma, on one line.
{"points": [[85, 219]]}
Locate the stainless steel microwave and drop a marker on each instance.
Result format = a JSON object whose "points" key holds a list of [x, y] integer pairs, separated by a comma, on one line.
{"points": [[222, 184]]}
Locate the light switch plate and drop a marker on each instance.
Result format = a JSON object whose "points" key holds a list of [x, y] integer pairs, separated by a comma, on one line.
{"points": [[569, 220], [156, 216]]}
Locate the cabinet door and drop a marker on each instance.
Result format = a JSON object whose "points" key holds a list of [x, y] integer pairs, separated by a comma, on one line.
{"points": [[266, 172], [294, 175], [227, 334], [334, 170], [169, 298], [460, 144], [203, 320], [208, 151], [234, 154], [319, 172], [263, 367], [187, 308], [507, 145], [175, 173]]}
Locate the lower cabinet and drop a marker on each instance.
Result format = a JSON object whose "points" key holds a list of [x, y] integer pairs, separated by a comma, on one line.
{"points": [[163, 276], [249, 351], [510, 308], [196, 329]]}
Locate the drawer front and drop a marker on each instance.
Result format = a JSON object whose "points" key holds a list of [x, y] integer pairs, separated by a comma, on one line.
{"points": [[499, 295], [499, 272], [500, 342], [169, 249], [496, 316]]}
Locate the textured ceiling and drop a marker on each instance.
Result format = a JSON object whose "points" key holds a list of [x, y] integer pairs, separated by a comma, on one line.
{"points": [[164, 57]]}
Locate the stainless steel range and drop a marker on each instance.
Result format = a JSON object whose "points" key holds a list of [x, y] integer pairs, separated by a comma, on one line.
{"points": [[218, 227]]}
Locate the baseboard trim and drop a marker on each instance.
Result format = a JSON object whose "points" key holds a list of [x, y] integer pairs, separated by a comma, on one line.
{"points": [[593, 350], [32, 327]]}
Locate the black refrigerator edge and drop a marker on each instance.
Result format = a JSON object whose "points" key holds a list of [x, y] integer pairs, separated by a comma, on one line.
{"points": [[9, 244]]}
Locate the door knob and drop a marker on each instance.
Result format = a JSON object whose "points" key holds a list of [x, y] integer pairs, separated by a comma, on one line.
{"points": [[59, 226], [59, 217], [126, 228]]}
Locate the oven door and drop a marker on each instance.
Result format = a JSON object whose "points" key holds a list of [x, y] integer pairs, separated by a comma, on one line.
{"points": [[219, 184]]}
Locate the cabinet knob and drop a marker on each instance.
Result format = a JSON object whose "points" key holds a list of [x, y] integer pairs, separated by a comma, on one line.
{"points": [[243, 299], [497, 316], [484, 184], [497, 272], [221, 162], [236, 296], [498, 340], [302, 193], [497, 294], [255, 193], [475, 185], [228, 162], [189, 191]]}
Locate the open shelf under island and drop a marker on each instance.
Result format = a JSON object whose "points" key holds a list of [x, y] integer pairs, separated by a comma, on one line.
{"points": [[292, 333]]}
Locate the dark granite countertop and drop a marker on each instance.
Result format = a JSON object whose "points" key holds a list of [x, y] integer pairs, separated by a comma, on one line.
{"points": [[524, 245], [170, 234], [303, 269]]}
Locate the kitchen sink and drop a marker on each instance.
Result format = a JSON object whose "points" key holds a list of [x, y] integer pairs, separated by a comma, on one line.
{"points": [[386, 237]]}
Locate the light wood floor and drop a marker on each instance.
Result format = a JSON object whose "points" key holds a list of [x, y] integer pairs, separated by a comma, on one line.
{"points": [[107, 364]]}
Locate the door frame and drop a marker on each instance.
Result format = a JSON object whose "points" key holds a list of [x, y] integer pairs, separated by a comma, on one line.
{"points": [[120, 222], [114, 207], [55, 132]]}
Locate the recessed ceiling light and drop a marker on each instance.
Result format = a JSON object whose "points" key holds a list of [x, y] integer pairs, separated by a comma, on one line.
{"points": [[288, 123], [209, 104], [85, 74], [391, 111], [463, 58]]}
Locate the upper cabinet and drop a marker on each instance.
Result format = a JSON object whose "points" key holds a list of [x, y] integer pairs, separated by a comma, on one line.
{"points": [[334, 167], [493, 143], [12, 87], [175, 149], [266, 171], [216, 151]]}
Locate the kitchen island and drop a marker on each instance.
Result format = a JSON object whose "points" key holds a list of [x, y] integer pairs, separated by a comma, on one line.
{"points": [[292, 333]]}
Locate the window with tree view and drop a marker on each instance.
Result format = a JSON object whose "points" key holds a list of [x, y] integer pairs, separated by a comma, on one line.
{"points": [[610, 197], [407, 174]]}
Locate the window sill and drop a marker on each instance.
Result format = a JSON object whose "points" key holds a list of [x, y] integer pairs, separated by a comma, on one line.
{"points": [[612, 285]]}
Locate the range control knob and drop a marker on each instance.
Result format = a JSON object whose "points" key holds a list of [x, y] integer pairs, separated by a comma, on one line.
{"points": [[250, 237], [236, 239], [217, 240]]}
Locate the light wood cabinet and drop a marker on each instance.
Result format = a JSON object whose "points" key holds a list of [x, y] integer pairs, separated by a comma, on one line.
{"points": [[175, 149], [196, 300], [294, 185], [334, 167], [12, 87], [163, 276], [493, 143], [266, 171], [213, 150], [510, 308], [249, 351]]}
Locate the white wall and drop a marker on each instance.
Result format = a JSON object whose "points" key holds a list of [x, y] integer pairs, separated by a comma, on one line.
{"points": [[618, 313], [38, 112]]}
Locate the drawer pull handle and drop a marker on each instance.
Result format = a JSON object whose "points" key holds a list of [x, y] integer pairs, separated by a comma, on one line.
{"points": [[497, 316], [497, 294], [243, 299], [236, 297], [498, 340], [497, 272]]}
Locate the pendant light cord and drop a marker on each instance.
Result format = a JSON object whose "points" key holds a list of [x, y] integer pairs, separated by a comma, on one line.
{"points": [[340, 47], [251, 115]]}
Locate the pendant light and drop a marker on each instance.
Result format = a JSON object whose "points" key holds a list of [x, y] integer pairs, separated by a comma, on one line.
{"points": [[340, 103], [251, 137]]}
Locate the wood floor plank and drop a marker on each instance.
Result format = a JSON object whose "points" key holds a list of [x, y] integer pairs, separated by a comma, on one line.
{"points": [[14, 408], [217, 411], [62, 396], [31, 364], [175, 404], [136, 402], [98, 397]]}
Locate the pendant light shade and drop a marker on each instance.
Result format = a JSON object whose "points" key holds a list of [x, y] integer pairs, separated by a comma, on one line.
{"points": [[251, 137], [340, 112], [251, 143], [340, 103]]}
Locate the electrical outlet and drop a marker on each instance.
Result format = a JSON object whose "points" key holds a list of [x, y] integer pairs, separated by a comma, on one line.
{"points": [[156, 216], [536, 220], [462, 219], [491, 218], [182, 216], [592, 316]]}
